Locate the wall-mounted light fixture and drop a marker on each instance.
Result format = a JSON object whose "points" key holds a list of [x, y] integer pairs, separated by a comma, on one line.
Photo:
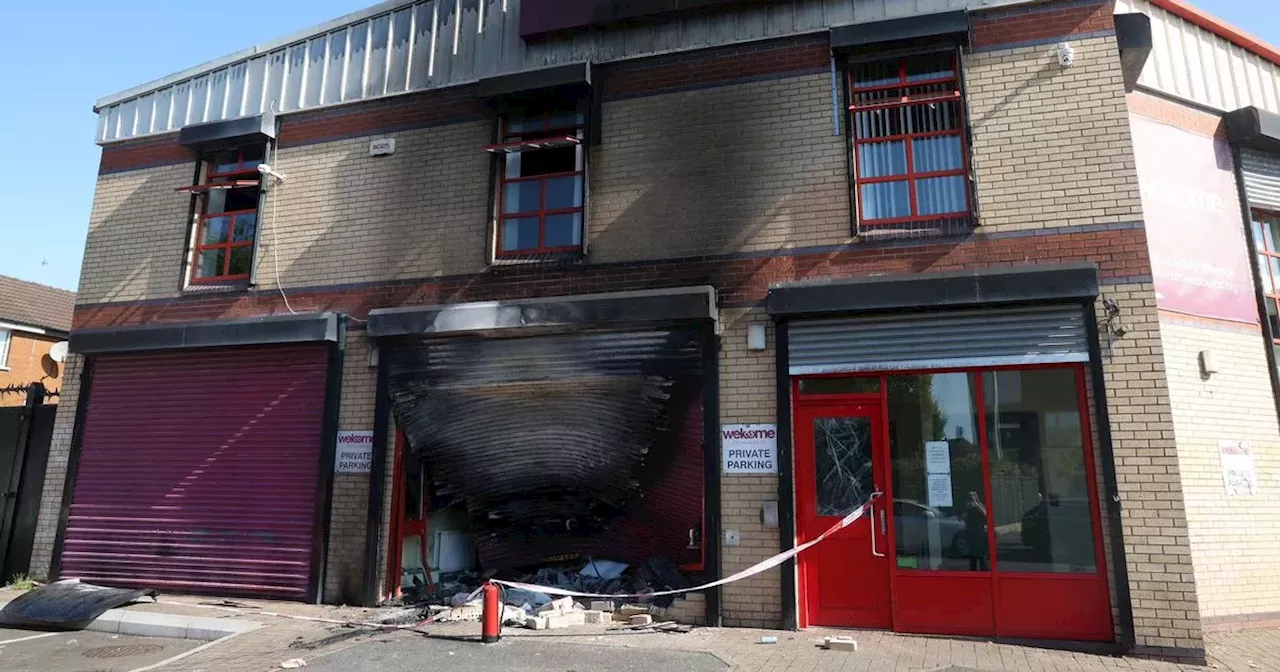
{"points": [[373, 357], [756, 338]]}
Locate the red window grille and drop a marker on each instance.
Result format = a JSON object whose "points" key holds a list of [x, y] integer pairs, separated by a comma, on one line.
{"points": [[910, 153], [228, 216], [541, 184], [1266, 236]]}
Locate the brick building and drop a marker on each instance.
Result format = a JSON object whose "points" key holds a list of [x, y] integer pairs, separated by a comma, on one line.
{"points": [[33, 318], [444, 283]]}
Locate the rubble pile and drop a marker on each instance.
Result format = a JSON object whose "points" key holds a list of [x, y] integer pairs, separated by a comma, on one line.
{"points": [[456, 597]]}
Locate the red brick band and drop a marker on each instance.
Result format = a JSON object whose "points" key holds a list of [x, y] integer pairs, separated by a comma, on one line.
{"points": [[1042, 22], [1119, 253]]}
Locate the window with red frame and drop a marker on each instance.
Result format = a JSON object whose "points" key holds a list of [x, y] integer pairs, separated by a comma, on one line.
{"points": [[541, 178], [1266, 237], [907, 122], [228, 215]]}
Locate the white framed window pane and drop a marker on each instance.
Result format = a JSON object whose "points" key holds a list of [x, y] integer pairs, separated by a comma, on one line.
{"points": [[6, 337], [145, 104], [199, 98]]}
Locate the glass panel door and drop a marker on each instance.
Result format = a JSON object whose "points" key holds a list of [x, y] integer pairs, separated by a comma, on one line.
{"points": [[939, 496], [1039, 479]]}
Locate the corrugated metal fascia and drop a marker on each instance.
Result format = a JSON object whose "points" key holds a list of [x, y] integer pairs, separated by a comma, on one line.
{"points": [[486, 42], [1197, 65]]}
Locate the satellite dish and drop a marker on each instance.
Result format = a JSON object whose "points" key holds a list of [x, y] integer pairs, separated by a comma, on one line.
{"points": [[58, 352]]}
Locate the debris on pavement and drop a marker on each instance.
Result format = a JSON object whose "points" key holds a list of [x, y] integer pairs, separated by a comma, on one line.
{"points": [[293, 664], [68, 604], [768, 639], [839, 643]]}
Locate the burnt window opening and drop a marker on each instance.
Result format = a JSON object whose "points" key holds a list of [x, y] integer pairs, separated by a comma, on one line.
{"points": [[228, 193], [541, 184]]}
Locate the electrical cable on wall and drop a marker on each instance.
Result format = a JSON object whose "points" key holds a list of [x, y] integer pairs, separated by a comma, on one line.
{"points": [[267, 174]]}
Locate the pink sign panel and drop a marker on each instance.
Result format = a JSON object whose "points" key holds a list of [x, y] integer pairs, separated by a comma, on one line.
{"points": [[1194, 227]]}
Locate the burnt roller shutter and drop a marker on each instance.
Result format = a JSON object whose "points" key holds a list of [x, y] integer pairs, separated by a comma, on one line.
{"points": [[198, 471], [988, 337], [587, 443]]}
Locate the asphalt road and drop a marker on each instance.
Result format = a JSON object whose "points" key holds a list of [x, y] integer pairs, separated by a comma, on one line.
{"points": [[83, 651], [512, 654]]}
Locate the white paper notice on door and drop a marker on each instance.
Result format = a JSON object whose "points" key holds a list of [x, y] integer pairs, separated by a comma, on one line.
{"points": [[939, 490], [937, 457]]}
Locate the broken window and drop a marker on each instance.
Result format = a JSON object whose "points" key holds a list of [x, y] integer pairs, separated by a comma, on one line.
{"points": [[228, 196]]}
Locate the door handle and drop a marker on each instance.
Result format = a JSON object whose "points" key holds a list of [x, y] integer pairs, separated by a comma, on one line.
{"points": [[872, 503]]}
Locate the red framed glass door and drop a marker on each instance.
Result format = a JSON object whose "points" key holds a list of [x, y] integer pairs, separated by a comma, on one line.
{"points": [[990, 493], [844, 581]]}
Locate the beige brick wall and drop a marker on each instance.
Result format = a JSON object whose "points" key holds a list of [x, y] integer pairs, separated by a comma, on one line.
{"points": [[56, 471], [138, 228], [344, 216], [1051, 145], [1234, 539], [1157, 546], [344, 576], [747, 395], [745, 167]]}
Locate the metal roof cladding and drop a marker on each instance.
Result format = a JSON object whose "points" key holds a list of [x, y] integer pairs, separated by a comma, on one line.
{"points": [[397, 47]]}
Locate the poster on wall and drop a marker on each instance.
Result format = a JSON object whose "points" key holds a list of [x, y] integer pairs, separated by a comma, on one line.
{"points": [[1239, 474], [1195, 230], [355, 452], [749, 449]]}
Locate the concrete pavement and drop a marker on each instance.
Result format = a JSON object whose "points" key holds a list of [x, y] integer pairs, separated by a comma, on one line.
{"points": [[334, 647]]}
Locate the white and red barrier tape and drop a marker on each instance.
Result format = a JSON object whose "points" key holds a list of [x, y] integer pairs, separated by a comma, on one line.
{"points": [[761, 566]]}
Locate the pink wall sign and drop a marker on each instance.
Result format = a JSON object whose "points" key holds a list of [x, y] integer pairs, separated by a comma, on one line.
{"points": [[1199, 256]]}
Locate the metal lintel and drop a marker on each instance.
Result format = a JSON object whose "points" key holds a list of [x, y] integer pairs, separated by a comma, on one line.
{"points": [[987, 286], [310, 328], [557, 312]]}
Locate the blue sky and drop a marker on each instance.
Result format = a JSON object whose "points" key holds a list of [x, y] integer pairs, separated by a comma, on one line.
{"points": [[64, 56]]}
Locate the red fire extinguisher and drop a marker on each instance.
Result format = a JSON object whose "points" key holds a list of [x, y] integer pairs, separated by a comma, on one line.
{"points": [[491, 623]]}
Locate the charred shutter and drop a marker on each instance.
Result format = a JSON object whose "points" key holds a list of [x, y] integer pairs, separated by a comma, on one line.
{"points": [[584, 443], [198, 471]]}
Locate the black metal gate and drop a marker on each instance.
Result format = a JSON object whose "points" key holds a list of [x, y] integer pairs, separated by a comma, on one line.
{"points": [[25, 434]]}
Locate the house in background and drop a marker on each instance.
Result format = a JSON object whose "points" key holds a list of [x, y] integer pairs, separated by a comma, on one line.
{"points": [[33, 318]]}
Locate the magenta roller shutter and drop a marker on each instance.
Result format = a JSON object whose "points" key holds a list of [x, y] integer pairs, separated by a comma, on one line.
{"points": [[199, 471]]}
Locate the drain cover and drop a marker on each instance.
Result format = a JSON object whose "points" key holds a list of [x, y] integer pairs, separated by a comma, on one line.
{"points": [[123, 651]]}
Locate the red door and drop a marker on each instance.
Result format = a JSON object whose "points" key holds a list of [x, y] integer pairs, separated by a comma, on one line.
{"points": [[845, 579]]}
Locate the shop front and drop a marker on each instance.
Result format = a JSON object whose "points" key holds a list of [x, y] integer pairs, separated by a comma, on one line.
{"points": [[955, 409], [546, 433]]}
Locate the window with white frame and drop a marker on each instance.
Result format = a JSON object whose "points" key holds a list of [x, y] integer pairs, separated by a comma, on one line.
{"points": [[6, 337]]}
